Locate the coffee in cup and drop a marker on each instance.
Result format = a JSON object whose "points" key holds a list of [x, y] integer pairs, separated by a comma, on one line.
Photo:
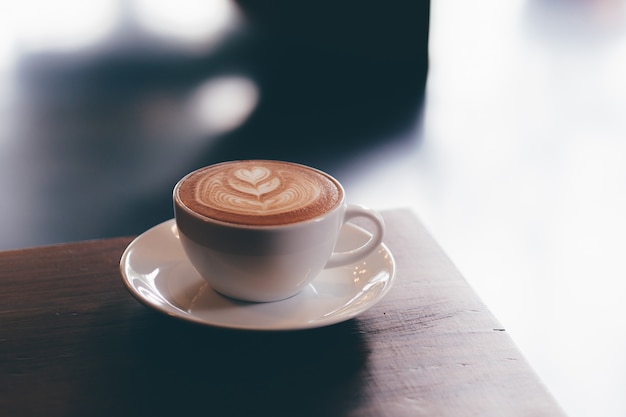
{"points": [[261, 230]]}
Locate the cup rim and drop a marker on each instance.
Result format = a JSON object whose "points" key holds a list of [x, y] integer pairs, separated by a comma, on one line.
{"points": [[179, 204]]}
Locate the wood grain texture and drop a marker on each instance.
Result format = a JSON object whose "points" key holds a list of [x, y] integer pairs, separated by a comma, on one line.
{"points": [[73, 342]]}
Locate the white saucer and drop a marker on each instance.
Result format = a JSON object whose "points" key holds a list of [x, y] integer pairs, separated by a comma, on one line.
{"points": [[156, 272]]}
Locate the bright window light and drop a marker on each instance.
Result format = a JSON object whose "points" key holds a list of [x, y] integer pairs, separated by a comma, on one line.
{"points": [[192, 22], [222, 104], [62, 25]]}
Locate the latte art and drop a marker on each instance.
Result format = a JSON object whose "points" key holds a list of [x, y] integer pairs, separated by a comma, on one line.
{"points": [[259, 192]]}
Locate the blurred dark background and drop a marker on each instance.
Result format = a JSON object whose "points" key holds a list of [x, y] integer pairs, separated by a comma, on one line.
{"points": [[104, 107]]}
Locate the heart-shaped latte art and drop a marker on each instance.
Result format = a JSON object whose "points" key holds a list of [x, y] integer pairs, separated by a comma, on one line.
{"points": [[260, 192], [257, 190], [255, 181], [254, 175]]}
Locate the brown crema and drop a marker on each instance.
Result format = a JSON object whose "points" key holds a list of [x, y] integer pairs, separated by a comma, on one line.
{"points": [[259, 192]]}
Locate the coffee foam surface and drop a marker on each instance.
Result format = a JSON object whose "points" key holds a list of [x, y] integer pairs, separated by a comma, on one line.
{"points": [[259, 192]]}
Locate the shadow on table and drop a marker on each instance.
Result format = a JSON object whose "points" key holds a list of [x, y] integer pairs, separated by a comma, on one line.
{"points": [[176, 369]]}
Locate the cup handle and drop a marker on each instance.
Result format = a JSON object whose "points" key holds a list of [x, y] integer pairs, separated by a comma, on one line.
{"points": [[349, 257]]}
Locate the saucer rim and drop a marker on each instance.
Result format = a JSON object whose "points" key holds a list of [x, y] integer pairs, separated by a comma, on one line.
{"points": [[293, 326]]}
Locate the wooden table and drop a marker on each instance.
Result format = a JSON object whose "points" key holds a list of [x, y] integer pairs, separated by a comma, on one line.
{"points": [[74, 342]]}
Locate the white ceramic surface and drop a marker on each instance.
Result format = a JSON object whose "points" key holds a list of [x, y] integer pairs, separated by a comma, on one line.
{"points": [[156, 272], [266, 262]]}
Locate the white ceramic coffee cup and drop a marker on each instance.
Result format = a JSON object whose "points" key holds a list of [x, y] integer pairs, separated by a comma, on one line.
{"points": [[269, 263]]}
